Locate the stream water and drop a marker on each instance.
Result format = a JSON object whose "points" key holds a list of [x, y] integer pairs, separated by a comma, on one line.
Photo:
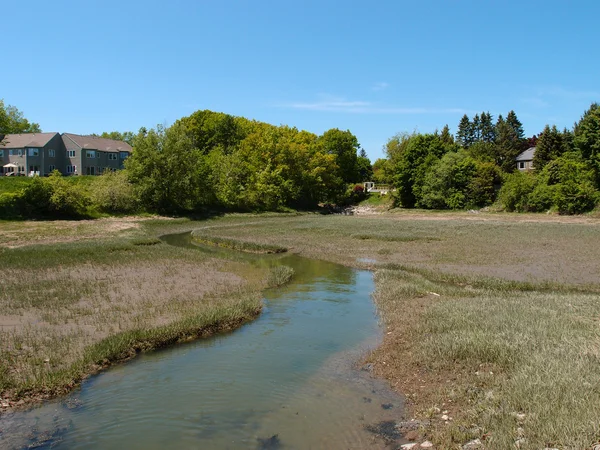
{"points": [[287, 380]]}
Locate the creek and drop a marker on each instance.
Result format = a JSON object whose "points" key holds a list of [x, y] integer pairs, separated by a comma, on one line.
{"points": [[289, 379]]}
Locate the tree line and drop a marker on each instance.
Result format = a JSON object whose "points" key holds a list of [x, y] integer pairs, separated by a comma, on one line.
{"points": [[477, 167]]}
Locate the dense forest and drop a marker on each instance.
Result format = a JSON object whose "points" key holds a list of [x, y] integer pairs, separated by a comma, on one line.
{"points": [[216, 161]]}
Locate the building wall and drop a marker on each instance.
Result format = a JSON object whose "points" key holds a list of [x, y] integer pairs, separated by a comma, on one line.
{"points": [[527, 165]]}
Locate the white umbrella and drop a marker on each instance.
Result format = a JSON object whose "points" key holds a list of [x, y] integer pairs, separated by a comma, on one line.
{"points": [[11, 165]]}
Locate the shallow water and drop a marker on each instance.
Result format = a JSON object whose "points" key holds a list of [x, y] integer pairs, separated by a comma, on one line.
{"points": [[286, 380]]}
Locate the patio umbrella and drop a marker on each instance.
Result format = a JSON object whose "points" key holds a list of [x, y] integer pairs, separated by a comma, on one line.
{"points": [[11, 165]]}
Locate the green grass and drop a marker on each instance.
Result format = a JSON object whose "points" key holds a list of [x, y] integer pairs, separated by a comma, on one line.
{"points": [[495, 315], [234, 244]]}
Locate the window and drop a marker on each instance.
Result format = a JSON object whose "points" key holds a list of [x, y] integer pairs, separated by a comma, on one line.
{"points": [[521, 164], [22, 169], [72, 169], [90, 154], [16, 152], [124, 155], [112, 156], [1, 153], [51, 153], [71, 153], [51, 168], [34, 151]]}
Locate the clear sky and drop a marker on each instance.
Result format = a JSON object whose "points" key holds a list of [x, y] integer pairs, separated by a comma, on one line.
{"points": [[374, 67]]}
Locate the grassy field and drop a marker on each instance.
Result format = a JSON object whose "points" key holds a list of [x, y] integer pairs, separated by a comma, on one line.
{"points": [[492, 320]]}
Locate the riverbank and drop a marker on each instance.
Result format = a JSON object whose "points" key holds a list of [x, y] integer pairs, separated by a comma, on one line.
{"points": [[491, 318], [77, 297]]}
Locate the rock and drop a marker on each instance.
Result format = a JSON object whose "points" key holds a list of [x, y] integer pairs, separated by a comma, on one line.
{"points": [[426, 444], [520, 442], [408, 446], [520, 417], [445, 417], [475, 444], [412, 435]]}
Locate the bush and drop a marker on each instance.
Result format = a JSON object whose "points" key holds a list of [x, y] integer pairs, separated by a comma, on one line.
{"points": [[10, 204], [53, 197], [515, 192], [113, 193]]}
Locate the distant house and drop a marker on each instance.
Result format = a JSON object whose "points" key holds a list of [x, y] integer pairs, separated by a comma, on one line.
{"points": [[525, 159], [91, 155], [71, 154], [30, 153]]}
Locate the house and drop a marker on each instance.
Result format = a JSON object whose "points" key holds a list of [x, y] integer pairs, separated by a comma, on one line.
{"points": [[71, 154], [525, 159], [30, 153], [92, 155]]}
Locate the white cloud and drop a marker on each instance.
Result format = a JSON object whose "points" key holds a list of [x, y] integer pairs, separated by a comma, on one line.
{"points": [[380, 86], [334, 104]]}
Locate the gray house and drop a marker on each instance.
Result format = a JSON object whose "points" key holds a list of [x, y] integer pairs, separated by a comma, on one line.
{"points": [[92, 155], [31, 154], [71, 154], [525, 159]]}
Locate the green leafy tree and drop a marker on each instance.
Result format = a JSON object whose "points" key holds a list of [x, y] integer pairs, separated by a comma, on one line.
{"points": [[53, 197], [586, 138], [12, 121], [125, 136], [419, 153], [365, 169], [382, 171], [170, 175], [344, 145], [113, 193]]}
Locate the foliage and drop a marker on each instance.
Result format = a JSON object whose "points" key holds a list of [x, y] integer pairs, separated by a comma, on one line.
{"points": [[458, 181], [418, 153], [113, 193], [53, 197], [12, 121], [513, 195], [168, 173], [550, 145], [344, 145]]}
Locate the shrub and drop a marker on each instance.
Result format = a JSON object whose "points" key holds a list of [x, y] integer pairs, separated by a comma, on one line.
{"points": [[10, 204], [113, 193], [53, 197], [515, 192]]}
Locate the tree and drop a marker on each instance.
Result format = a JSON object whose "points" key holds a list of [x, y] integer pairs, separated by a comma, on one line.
{"points": [[12, 121], [550, 145], [344, 145], [586, 136], [419, 153], [487, 130], [125, 136], [445, 136], [169, 174], [365, 169], [509, 141], [465, 135]]}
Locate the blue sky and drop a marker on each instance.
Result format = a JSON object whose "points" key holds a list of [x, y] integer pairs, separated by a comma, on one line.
{"points": [[376, 68]]}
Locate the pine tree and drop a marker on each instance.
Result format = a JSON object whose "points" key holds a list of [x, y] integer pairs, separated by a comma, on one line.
{"points": [[464, 135], [509, 141], [550, 145], [445, 136], [476, 126], [515, 124], [487, 128]]}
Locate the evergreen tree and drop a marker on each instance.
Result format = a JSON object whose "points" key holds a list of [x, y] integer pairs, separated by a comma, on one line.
{"points": [[476, 126], [464, 135], [509, 141], [586, 135], [515, 124], [487, 128], [550, 145], [445, 136]]}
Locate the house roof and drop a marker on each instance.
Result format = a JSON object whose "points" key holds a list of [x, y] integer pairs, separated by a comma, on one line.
{"points": [[26, 140], [527, 155], [73, 141]]}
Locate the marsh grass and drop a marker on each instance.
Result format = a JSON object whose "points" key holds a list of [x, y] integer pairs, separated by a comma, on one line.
{"points": [[234, 244], [501, 349], [280, 275], [68, 308]]}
